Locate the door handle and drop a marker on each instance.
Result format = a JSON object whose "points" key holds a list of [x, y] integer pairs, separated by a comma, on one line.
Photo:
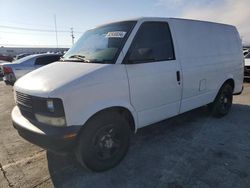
{"points": [[178, 77]]}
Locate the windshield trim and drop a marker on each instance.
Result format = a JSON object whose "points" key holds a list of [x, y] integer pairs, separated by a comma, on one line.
{"points": [[133, 23]]}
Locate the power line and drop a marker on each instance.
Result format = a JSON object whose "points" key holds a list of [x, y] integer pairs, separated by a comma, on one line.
{"points": [[38, 46], [36, 34], [37, 30], [29, 29], [15, 22], [26, 24]]}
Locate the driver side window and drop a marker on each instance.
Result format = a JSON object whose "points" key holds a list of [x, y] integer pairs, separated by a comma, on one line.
{"points": [[152, 43]]}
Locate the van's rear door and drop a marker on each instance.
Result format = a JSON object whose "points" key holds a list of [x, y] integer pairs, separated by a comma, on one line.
{"points": [[153, 73]]}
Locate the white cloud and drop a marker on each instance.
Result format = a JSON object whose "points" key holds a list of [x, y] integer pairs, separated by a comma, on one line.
{"points": [[234, 12], [180, 5], [231, 12]]}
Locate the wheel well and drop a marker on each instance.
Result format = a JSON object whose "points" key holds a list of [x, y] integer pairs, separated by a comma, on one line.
{"points": [[121, 110], [230, 82]]}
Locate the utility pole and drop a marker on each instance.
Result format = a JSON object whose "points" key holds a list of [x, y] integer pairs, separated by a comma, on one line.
{"points": [[72, 35], [56, 31]]}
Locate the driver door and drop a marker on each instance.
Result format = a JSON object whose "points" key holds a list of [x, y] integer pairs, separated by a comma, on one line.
{"points": [[153, 73]]}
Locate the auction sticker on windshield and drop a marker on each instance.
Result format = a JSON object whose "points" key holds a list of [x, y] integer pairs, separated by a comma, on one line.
{"points": [[116, 34]]}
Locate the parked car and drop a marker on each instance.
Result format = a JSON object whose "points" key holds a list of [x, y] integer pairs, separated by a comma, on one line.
{"points": [[1, 73], [125, 75], [1, 70], [15, 70], [247, 66], [20, 56], [6, 58]]}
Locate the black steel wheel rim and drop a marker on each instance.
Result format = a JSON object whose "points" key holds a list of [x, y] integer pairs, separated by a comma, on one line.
{"points": [[107, 142], [225, 101]]}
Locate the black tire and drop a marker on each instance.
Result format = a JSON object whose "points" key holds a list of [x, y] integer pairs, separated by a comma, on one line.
{"points": [[103, 142], [223, 101]]}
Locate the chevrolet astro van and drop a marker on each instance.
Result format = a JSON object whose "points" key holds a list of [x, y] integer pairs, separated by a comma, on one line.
{"points": [[125, 75]]}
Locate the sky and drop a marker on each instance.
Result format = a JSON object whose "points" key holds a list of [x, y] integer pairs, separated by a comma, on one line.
{"points": [[32, 22]]}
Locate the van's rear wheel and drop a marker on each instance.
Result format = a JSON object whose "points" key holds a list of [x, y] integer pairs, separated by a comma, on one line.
{"points": [[103, 142], [223, 101]]}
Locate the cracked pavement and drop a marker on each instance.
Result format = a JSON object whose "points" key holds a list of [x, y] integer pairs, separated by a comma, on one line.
{"points": [[191, 150]]}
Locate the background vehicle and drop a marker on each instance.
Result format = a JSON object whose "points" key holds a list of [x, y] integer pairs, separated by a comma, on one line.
{"points": [[15, 70], [1, 73], [6, 58], [20, 56], [1, 70], [247, 66], [122, 76]]}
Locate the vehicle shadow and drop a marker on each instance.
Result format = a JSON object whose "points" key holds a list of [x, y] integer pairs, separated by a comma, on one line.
{"points": [[177, 152]]}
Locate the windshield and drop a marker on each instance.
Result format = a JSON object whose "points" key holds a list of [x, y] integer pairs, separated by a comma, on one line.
{"points": [[102, 44]]}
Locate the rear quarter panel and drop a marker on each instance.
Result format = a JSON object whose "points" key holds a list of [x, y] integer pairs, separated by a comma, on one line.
{"points": [[20, 69], [210, 54]]}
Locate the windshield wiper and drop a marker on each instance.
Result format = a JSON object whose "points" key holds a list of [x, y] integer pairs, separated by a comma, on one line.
{"points": [[79, 57]]}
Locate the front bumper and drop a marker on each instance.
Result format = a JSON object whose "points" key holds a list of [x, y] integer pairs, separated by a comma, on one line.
{"points": [[56, 139]]}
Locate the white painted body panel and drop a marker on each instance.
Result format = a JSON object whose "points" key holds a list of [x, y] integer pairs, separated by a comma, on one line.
{"points": [[84, 88], [155, 93], [207, 54]]}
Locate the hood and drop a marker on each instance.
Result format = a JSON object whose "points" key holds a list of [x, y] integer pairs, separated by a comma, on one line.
{"points": [[247, 62], [45, 80]]}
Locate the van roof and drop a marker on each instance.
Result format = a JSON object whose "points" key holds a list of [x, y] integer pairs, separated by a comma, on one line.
{"points": [[164, 18]]}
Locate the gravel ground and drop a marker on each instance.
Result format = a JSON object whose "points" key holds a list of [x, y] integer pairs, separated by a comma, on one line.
{"points": [[191, 150]]}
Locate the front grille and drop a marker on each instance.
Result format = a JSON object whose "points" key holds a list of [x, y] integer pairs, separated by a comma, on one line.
{"points": [[24, 102]]}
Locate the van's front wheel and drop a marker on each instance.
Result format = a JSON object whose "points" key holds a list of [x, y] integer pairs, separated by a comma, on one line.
{"points": [[223, 101], [103, 142]]}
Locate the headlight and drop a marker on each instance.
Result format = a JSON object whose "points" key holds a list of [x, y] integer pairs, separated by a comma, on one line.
{"points": [[55, 121], [49, 111], [50, 105]]}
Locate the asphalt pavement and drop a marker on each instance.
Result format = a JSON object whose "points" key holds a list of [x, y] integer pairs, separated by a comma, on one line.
{"points": [[190, 150]]}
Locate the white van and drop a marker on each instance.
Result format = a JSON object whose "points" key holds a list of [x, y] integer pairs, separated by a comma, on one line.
{"points": [[125, 75]]}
